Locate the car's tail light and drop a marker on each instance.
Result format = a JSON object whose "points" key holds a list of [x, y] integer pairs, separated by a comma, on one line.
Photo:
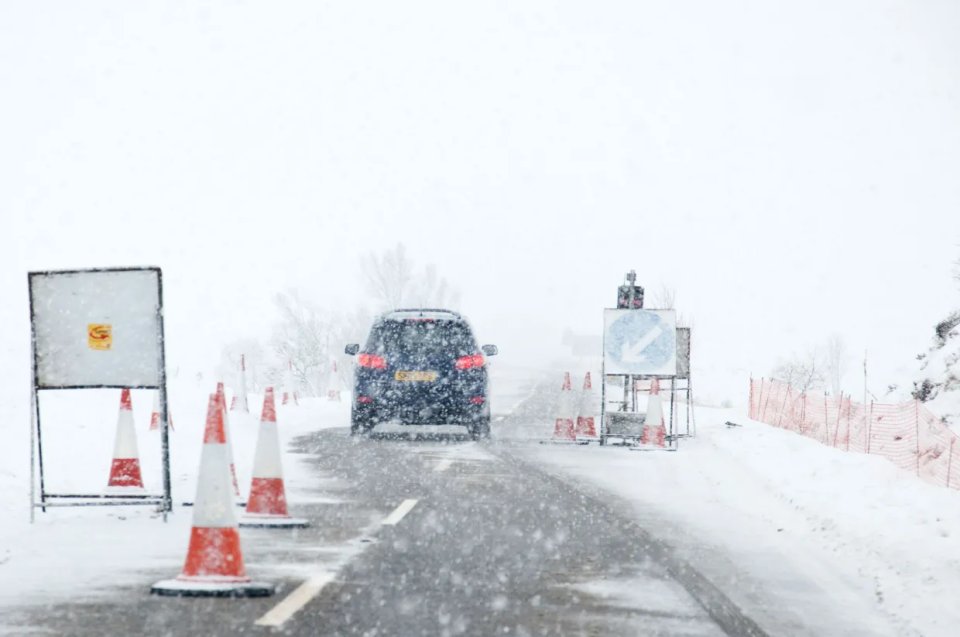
{"points": [[477, 400], [364, 399], [469, 362], [371, 361]]}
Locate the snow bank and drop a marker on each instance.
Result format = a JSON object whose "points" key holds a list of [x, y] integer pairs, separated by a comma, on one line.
{"points": [[874, 545], [84, 551]]}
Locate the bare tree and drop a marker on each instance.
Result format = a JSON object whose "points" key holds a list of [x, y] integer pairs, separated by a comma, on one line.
{"points": [[393, 281], [665, 298], [229, 366], [802, 373], [300, 340], [388, 276], [432, 290], [837, 362], [311, 339]]}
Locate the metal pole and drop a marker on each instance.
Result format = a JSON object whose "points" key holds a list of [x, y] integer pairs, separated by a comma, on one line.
{"points": [[673, 391], [627, 384], [36, 409], [33, 450], [690, 402], [950, 461], [603, 402], [167, 505]]}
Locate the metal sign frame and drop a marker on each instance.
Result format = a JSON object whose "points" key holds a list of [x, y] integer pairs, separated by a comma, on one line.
{"points": [[628, 404], [163, 501]]}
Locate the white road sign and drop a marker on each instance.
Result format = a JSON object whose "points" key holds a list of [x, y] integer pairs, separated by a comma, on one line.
{"points": [[97, 328], [641, 342]]}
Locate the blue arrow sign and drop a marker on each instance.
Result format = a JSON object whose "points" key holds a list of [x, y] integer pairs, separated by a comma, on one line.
{"points": [[641, 342]]}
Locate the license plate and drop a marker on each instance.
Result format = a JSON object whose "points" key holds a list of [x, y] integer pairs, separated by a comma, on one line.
{"points": [[416, 376]]}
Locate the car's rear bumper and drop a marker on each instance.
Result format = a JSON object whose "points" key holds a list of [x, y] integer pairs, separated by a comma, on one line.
{"points": [[420, 405], [373, 415]]}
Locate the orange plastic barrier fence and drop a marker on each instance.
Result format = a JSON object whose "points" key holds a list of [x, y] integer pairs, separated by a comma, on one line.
{"points": [[906, 434]]}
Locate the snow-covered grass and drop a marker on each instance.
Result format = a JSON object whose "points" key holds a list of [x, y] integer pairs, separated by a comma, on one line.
{"points": [[753, 506], [74, 551]]}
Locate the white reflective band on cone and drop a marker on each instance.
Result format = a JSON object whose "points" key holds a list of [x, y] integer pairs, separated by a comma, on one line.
{"points": [[586, 404], [125, 444], [566, 405], [214, 506], [266, 461], [654, 415]]}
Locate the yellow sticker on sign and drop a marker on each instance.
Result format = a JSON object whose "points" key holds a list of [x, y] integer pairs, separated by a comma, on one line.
{"points": [[100, 336]]}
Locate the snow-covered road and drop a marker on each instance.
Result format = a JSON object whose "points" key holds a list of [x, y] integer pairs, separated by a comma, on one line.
{"points": [[800, 538]]}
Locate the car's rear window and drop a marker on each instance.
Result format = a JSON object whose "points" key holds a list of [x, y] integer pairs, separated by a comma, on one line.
{"points": [[422, 338]]}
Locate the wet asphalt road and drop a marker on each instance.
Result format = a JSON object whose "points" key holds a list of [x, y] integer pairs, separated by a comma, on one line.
{"points": [[492, 547]]}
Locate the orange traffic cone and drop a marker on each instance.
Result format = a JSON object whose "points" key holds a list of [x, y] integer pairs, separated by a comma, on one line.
{"points": [[239, 401], [563, 429], [155, 414], [267, 506], [333, 386], [585, 425], [222, 401], [125, 469], [654, 431], [214, 565]]}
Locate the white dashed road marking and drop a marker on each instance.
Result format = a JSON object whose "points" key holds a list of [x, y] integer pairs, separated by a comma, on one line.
{"points": [[443, 465], [405, 507], [295, 600]]}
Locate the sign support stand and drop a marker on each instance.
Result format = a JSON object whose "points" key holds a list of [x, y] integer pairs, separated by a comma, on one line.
{"points": [[141, 313]]}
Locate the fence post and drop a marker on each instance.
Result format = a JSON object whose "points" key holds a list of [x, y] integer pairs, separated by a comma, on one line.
{"points": [[950, 461], [826, 420], [783, 407], [869, 427], [916, 420], [849, 420], [764, 415], [836, 433]]}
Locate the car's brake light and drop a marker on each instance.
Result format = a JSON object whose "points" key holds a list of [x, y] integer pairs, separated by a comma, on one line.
{"points": [[421, 320], [477, 400], [469, 362], [364, 399], [371, 361]]}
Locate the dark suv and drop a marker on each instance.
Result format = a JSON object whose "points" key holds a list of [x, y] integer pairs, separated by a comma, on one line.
{"points": [[421, 367]]}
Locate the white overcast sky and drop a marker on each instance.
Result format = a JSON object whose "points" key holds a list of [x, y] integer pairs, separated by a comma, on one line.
{"points": [[791, 168]]}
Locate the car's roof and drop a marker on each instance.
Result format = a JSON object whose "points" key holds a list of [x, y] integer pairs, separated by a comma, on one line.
{"points": [[432, 314]]}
